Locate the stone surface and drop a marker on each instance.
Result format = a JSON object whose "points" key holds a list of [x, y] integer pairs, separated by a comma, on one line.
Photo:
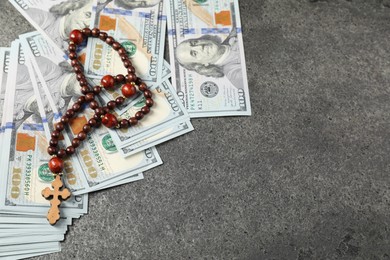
{"points": [[305, 177]]}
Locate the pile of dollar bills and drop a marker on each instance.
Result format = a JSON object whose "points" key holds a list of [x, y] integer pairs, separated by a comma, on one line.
{"points": [[206, 77]]}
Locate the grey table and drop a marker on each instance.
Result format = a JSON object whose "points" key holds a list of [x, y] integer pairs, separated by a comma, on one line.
{"points": [[305, 177]]}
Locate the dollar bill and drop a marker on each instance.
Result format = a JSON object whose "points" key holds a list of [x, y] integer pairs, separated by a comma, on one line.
{"points": [[4, 66], [101, 164], [167, 111], [139, 28], [157, 138], [32, 248], [25, 147], [207, 57], [55, 19]]}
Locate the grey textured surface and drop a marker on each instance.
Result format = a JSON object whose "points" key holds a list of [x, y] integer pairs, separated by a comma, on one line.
{"points": [[305, 177]]}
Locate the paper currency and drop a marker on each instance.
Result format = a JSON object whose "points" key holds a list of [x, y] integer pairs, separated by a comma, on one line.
{"points": [[141, 31], [167, 111], [207, 57], [22, 181], [100, 162], [4, 66]]}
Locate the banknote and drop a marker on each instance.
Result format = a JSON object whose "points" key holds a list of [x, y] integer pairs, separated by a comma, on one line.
{"points": [[141, 31], [207, 57], [15, 250], [101, 163], [167, 111], [157, 138], [55, 19], [24, 147], [4, 66]]}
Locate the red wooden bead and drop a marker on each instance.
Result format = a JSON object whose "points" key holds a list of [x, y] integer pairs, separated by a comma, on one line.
{"points": [[52, 150], [109, 120], [108, 82], [61, 153], [149, 102], [139, 115], [56, 165], [76, 36], [142, 87], [145, 110], [128, 90], [133, 121], [147, 93], [131, 77], [87, 32]]}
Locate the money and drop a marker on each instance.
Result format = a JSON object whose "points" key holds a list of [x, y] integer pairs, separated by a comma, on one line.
{"points": [[98, 161], [139, 28], [207, 57], [21, 183], [167, 111], [4, 66]]}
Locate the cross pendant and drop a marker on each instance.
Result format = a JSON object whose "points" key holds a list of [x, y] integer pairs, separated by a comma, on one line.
{"points": [[55, 195]]}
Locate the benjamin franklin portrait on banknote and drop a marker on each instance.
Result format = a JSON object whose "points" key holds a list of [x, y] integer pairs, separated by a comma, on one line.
{"points": [[68, 15], [209, 56]]}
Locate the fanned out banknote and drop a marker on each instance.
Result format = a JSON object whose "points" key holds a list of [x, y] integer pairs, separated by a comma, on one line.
{"points": [[4, 66], [98, 161], [207, 57], [21, 182]]}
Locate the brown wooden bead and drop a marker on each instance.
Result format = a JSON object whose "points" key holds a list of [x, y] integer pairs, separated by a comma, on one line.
{"points": [[133, 121], [61, 153], [86, 128], [138, 81], [131, 77], [76, 142], [94, 104], [69, 113], [147, 93], [53, 142], [72, 56], [108, 82], [55, 134], [119, 78], [99, 111], [106, 110], [128, 90], [139, 115], [64, 119], [111, 104], [109, 120], [110, 40], [77, 68], [92, 122], [70, 150], [142, 87], [103, 36], [95, 32], [76, 36], [52, 150], [149, 102], [116, 45], [60, 126], [74, 62], [122, 51], [85, 90], [97, 89], [81, 99], [72, 47], [87, 32], [127, 63], [119, 100], [145, 110], [76, 107], [80, 76], [89, 97], [97, 118], [81, 136], [83, 82], [56, 165], [124, 57], [131, 69], [124, 123]]}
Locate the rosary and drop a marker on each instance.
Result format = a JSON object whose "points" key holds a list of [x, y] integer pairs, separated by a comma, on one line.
{"points": [[102, 114]]}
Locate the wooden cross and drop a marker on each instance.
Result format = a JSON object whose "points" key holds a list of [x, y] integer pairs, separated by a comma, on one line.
{"points": [[55, 196]]}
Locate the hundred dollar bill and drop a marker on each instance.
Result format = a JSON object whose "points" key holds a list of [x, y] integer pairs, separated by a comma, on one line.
{"points": [[25, 145], [55, 19], [157, 138], [167, 111], [140, 28], [4, 65], [207, 57], [32, 248], [101, 164]]}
